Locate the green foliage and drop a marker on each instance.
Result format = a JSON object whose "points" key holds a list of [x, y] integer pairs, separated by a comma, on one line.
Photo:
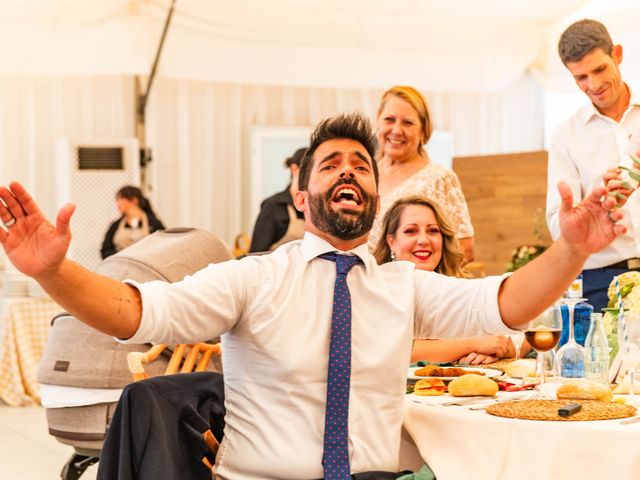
{"points": [[523, 255]]}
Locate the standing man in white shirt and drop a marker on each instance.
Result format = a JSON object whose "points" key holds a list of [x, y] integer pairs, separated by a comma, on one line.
{"points": [[279, 322], [597, 138]]}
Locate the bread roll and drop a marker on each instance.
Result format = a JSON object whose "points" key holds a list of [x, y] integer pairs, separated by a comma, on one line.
{"points": [[582, 389], [429, 387], [525, 367], [472, 385]]}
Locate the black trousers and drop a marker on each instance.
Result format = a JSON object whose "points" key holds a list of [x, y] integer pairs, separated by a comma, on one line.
{"points": [[595, 283], [156, 430]]}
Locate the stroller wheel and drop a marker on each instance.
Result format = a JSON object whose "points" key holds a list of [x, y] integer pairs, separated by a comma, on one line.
{"points": [[76, 465]]}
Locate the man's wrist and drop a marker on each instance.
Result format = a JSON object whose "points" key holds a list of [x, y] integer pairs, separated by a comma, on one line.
{"points": [[573, 251], [52, 274]]}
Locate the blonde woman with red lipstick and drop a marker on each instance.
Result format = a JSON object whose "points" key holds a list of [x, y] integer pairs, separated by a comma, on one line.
{"points": [[404, 127], [415, 229]]}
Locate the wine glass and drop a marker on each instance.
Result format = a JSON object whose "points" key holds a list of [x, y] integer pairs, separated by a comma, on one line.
{"points": [[571, 354], [517, 339], [543, 334]]}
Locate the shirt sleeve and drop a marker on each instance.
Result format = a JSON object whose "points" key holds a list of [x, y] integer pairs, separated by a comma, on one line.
{"points": [[449, 307], [198, 308], [560, 167]]}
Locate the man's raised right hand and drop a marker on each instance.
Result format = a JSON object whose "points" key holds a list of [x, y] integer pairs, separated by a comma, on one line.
{"points": [[32, 244]]}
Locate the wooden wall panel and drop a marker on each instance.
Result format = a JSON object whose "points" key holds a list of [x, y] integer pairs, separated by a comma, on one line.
{"points": [[506, 195]]}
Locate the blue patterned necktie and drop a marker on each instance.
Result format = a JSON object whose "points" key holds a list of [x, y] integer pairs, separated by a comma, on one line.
{"points": [[335, 460]]}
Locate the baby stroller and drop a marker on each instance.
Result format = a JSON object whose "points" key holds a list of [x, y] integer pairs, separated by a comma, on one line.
{"points": [[82, 371]]}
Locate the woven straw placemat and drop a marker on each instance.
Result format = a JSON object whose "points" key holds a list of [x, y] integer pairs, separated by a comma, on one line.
{"points": [[548, 410]]}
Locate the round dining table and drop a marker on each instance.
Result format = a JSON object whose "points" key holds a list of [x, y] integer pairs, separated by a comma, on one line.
{"points": [[465, 442]]}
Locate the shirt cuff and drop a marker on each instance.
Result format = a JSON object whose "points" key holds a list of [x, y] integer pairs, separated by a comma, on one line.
{"points": [[499, 325]]}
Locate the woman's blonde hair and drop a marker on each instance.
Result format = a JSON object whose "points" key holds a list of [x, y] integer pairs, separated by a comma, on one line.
{"points": [[414, 98], [452, 257]]}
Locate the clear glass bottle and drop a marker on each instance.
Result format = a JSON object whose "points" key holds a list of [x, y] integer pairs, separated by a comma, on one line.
{"points": [[596, 355]]}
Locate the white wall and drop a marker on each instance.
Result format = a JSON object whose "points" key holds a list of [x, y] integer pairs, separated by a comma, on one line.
{"points": [[557, 108]]}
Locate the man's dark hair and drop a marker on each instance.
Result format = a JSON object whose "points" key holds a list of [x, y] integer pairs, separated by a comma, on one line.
{"points": [[352, 126], [581, 38], [296, 158]]}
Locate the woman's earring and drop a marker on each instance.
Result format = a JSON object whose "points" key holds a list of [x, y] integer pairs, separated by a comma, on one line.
{"points": [[393, 256]]}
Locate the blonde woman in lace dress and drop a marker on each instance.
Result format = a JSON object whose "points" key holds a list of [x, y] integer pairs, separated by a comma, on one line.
{"points": [[404, 126]]}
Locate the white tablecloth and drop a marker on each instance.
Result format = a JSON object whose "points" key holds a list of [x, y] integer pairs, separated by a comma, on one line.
{"points": [[460, 444]]}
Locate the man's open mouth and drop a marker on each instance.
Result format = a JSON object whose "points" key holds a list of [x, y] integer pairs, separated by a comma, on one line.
{"points": [[347, 195]]}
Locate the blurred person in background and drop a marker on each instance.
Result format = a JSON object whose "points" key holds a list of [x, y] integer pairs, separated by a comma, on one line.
{"points": [[404, 127], [137, 220], [415, 229], [278, 221]]}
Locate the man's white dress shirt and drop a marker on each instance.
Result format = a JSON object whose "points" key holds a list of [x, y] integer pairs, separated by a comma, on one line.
{"points": [[275, 313], [582, 149]]}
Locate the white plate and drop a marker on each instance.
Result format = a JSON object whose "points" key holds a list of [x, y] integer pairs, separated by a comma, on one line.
{"points": [[488, 372]]}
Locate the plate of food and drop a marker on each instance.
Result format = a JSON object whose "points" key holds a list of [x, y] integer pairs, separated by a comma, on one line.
{"points": [[449, 373]]}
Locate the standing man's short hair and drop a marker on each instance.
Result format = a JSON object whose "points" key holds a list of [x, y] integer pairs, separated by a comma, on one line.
{"points": [[581, 38], [352, 126]]}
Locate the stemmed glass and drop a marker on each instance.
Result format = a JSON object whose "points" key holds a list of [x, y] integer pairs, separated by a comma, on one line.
{"points": [[517, 339], [543, 334], [571, 354]]}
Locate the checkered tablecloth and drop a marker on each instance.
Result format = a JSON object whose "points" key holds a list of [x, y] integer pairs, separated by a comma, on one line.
{"points": [[24, 329]]}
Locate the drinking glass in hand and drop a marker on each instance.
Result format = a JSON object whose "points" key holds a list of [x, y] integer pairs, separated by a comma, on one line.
{"points": [[543, 334]]}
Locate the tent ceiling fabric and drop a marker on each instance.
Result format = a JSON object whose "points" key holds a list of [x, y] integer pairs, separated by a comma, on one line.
{"points": [[459, 45]]}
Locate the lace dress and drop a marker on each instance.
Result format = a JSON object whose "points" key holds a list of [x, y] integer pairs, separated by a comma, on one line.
{"points": [[439, 185]]}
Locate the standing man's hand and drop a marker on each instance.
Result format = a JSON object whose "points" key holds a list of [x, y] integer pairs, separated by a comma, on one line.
{"points": [[617, 186], [32, 244], [591, 225]]}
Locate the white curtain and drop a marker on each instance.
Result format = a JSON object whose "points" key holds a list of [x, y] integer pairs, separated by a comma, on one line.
{"points": [[198, 132], [37, 111]]}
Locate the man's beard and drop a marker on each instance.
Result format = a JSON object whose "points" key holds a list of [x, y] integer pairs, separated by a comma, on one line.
{"points": [[344, 224]]}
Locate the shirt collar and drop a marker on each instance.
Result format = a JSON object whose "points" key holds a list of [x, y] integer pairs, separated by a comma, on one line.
{"points": [[589, 111], [313, 246]]}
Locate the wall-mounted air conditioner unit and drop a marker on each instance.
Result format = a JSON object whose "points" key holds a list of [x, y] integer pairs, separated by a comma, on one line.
{"points": [[89, 173]]}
